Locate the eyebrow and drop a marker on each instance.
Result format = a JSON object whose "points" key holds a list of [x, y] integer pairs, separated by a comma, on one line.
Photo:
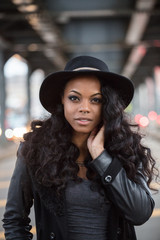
{"points": [[81, 94]]}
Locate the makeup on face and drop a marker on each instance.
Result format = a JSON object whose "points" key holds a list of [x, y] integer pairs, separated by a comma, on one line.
{"points": [[82, 100]]}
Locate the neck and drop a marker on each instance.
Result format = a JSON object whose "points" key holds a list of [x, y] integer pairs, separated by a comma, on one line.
{"points": [[80, 140]]}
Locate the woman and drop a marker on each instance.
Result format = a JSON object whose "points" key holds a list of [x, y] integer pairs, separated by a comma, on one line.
{"points": [[84, 167]]}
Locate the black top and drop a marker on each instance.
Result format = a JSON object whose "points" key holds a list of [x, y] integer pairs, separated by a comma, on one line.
{"points": [[87, 212]]}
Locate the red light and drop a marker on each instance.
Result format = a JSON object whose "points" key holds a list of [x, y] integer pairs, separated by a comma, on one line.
{"points": [[137, 118], [157, 69], [158, 119], [152, 115], [143, 122], [142, 50]]}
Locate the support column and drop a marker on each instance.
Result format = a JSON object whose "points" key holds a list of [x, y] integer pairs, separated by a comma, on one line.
{"points": [[28, 96], [157, 88], [2, 98]]}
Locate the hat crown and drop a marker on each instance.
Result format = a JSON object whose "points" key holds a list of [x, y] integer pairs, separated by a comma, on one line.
{"points": [[84, 62], [53, 85]]}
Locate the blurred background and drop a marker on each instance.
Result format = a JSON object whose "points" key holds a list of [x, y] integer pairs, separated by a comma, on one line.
{"points": [[37, 37]]}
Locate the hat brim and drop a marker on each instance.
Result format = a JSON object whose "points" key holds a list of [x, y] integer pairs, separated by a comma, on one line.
{"points": [[53, 85]]}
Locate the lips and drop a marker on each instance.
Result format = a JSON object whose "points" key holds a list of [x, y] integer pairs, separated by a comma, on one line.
{"points": [[83, 121]]}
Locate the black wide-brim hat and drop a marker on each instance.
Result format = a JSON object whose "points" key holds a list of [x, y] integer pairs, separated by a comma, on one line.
{"points": [[53, 85]]}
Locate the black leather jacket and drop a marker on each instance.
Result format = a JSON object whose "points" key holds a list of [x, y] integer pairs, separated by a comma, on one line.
{"points": [[132, 203]]}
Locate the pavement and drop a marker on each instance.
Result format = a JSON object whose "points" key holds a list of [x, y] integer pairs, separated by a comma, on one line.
{"points": [[154, 132], [8, 149]]}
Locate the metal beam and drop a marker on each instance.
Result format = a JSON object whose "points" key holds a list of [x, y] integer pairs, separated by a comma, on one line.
{"points": [[139, 21], [47, 31], [134, 60], [50, 35], [135, 32], [65, 16], [70, 48], [28, 92], [75, 48]]}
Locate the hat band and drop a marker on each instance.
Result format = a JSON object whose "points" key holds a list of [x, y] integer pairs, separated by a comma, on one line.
{"points": [[86, 68]]}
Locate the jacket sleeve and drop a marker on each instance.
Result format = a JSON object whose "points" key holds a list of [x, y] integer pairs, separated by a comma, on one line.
{"points": [[132, 199], [19, 202]]}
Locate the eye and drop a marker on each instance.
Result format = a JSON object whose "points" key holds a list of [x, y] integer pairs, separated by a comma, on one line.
{"points": [[96, 100], [74, 98]]}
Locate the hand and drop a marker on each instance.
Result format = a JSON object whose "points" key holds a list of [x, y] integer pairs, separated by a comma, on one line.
{"points": [[95, 142]]}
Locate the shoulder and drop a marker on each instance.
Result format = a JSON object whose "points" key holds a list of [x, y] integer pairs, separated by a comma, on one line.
{"points": [[20, 155], [21, 166], [19, 151]]}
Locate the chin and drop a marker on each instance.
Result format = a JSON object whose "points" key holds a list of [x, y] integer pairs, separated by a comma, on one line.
{"points": [[82, 130]]}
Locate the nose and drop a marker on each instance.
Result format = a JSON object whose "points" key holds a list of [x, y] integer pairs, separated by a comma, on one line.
{"points": [[84, 107]]}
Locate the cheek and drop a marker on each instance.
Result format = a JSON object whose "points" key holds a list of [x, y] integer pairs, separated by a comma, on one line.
{"points": [[68, 111], [99, 113]]}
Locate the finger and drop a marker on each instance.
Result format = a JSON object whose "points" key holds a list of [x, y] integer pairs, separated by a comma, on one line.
{"points": [[93, 132], [101, 131], [91, 136], [96, 136]]}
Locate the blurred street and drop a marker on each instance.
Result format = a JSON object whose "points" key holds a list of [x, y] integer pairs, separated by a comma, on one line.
{"points": [[148, 231], [38, 38]]}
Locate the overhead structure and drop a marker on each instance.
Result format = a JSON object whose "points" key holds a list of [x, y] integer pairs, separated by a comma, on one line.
{"points": [[125, 34], [137, 26]]}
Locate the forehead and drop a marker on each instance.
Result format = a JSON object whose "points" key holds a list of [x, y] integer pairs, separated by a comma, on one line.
{"points": [[87, 83]]}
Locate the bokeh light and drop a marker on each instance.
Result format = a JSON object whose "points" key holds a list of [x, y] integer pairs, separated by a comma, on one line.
{"points": [[158, 119], [143, 121], [152, 115], [9, 133], [18, 132], [137, 118]]}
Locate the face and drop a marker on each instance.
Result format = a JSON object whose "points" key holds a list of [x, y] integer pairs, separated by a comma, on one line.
{"points": [[82, 100]]}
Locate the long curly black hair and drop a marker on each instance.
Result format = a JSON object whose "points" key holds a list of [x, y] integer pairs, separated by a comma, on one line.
{"points": [[50, 153]]}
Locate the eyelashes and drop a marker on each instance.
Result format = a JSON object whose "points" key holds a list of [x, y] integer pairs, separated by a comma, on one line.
{"points": [[97, 100], [74, 98]]}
